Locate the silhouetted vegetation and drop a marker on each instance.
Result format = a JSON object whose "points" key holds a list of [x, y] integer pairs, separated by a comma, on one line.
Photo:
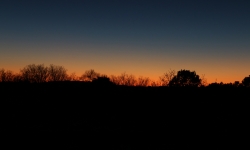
{"points": [[90, 75], [167, 77], [57, 73], [246, 81], [35, 73], [143, 81], [162, 114], [39, 74], [185, 78], [102, 80], [6, 76]]}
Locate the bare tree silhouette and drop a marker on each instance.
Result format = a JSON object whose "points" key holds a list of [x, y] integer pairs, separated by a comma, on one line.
{"points": [[18, 77], [114, 79], [90, 75], [122, 79], [143, 81], [167, 77], [126, 79], [73, 77], [35, 73], [130, 80], [203, 80], [6, 75], [155, 83], [57, 73], [185, 78]]}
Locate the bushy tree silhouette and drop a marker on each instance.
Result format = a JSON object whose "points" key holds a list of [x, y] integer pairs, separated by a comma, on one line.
{"points": [[185, 78], [246, 81]]}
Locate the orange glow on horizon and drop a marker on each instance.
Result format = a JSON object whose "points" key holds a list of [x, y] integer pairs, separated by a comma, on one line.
{"points": [[137, 64], [155, 77]]}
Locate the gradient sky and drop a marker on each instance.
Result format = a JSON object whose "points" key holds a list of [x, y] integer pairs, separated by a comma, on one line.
{"points": [[139, 37]]}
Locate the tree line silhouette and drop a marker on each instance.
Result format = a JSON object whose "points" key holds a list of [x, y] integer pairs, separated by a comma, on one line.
{"points": [[53, 100], [53, 73]]}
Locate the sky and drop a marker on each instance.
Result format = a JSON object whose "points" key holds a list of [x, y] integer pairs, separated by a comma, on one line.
{"points": [[139, 37]]}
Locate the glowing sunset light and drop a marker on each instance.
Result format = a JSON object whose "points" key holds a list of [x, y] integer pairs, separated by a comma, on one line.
{"points": [[141, 38]]}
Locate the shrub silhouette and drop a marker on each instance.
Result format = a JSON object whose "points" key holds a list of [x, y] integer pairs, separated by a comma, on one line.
{"points": [[246, 81], [102, 80], [185, 78]]}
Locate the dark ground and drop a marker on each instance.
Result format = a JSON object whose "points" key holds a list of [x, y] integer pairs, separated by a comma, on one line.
{"points": [[77, 115]]}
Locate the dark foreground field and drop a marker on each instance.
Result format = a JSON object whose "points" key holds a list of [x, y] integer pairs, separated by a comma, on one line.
{"points": [[85, 116]]}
